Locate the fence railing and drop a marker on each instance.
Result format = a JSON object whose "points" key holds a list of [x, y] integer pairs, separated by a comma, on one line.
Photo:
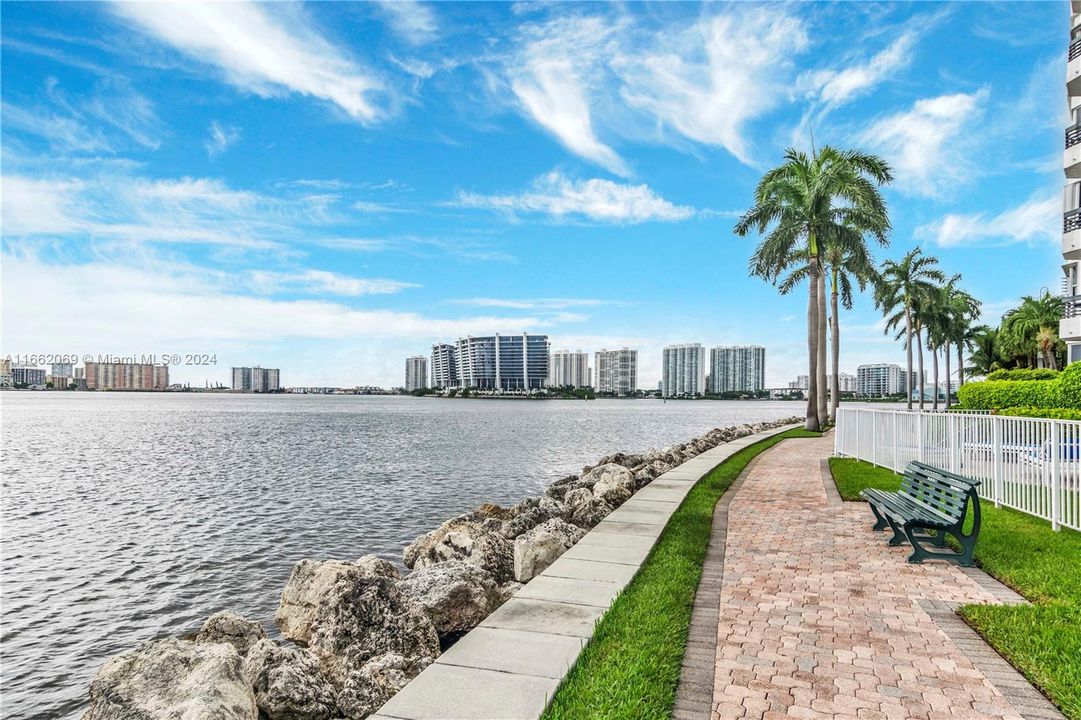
{"points": [[1028, 464]]}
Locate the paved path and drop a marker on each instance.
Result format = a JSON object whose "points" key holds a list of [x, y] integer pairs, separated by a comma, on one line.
{"points": [[819, 618]]}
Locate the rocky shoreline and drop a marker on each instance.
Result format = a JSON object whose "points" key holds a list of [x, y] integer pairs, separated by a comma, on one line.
{"points": [[360, 631]]}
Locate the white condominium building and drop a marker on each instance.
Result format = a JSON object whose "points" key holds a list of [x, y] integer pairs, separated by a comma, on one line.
{"points": [[1070, 325], [616, 371], [256, 379], [445, 366], [416, 373], [882, 379], [683, 370], [569, 369], [737, 368]]}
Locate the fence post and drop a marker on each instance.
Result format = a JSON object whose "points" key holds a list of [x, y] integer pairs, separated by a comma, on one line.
{"points": [[874, 438], [893, 421], [1056, 471], [996, 459], [954, 442], [919, 436]]}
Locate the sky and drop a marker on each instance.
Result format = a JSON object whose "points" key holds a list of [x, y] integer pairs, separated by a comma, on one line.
{"points": [[329, 188]]}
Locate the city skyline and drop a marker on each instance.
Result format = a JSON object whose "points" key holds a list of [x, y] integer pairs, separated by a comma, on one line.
{"points": [[188, 193]]}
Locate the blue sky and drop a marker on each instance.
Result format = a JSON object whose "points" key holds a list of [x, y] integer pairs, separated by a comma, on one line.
{"points": [[329, 188]]}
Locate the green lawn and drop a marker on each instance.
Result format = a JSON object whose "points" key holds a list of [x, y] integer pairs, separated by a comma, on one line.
{"points": [[1042, 640], [630, 668]]}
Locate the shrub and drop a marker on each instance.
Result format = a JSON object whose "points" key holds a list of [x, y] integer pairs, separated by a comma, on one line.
{"points": [[1052, 413], [1024, 374], [1069, 387], [995, 394]]}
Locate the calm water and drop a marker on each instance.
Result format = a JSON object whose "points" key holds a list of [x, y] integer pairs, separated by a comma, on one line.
{"points": [[127, 517]]}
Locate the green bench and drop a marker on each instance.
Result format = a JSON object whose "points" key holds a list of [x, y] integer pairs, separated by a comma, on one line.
{"points": [[930, 505]]}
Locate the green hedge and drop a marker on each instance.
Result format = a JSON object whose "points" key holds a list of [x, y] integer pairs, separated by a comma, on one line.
{"points": [[1024, 374], [1063, 391], [1052, 413]]}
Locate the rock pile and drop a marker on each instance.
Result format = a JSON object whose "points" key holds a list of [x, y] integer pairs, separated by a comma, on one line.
{"points": [[359, 631]]}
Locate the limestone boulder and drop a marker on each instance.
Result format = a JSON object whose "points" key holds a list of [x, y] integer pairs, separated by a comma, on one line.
{"points": [[430, 547], [456, 595], [539, 510], [539, 548], [288, 683], [615, 484], [348, 613], [584, 510], [368, 688], [228, 627], [170, 679]]}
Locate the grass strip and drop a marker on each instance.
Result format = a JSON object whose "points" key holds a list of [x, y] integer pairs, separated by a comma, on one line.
{"points": [[630, 668], [1042, 640]]}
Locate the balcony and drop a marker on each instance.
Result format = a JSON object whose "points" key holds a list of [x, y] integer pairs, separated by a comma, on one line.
{"points": [[1071, 234], [1069, 327], [1071, 156], [1073, 68]]}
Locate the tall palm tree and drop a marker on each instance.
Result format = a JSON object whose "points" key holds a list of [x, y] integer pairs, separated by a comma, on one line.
{"points": [[902, 285], [961, 311], [934, 317], [804, 200]]}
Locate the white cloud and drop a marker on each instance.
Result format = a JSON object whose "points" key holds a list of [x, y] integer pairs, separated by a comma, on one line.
{"points": [[534, 303], [322, 282], [411, 20], [550, 77], [927, 146], [267, 49], [710, 80], [1037, 220], [597, 199], [835, 87], [221, 138]]}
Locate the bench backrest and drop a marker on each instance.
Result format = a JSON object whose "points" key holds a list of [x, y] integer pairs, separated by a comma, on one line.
{"points": [[938, 490]]}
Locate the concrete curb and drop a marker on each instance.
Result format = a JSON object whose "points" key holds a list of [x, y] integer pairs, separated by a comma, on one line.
{"points": [[510, 666]]}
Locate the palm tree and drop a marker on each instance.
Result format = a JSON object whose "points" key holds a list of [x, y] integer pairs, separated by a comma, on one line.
{"points": [[934, 313], [1022, 327], [961, 311], [902, 286], [804, 200], [985, 357]]}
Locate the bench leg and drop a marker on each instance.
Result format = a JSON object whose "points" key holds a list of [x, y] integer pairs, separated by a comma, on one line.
{"points": [[919, 554], [880, 522], [899, 535], [968, 546]]}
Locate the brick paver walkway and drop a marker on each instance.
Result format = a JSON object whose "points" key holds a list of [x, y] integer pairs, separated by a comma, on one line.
{"points": [[819, 618]]}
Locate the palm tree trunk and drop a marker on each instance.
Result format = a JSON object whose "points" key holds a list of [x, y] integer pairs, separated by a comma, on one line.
{"points": [[960, 364], [934, 373], [812, 348], [908, 356], [919, 356], [946, 356], [835, 350], [823, 407]]}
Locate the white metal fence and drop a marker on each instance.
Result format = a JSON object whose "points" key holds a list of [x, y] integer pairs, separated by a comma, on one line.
{"points": [[1028, 464]]}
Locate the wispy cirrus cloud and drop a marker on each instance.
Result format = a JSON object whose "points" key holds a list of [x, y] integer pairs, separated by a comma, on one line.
{"points": [[270, 50], [926, 145], [560, 197], [551, 77], [1035, 221], [414, 21], [323, 282], [534, 303], [220, 138]]}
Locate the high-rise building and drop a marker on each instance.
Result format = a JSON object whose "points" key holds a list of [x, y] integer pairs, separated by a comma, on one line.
{"points": [[846, 382], [62, 369], [683, 370], [882, 379], [28, 376], [503, 362], [126, 376], [256, 379], [616, 371], [5, 373], [416, 373], [1070, 325], [445, 366], [569, 369], [737, 368]]}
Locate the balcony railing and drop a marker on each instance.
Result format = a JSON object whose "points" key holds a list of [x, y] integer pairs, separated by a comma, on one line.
{"points": [[1071, 221], [1071, 306], [1073, 135], [1075, 49]]}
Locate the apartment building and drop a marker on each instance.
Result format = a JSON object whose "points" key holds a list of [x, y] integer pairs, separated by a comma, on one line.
{"points": [[569, 369], [683, 370], [616, 371], [735, 368], [416, 373]]}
